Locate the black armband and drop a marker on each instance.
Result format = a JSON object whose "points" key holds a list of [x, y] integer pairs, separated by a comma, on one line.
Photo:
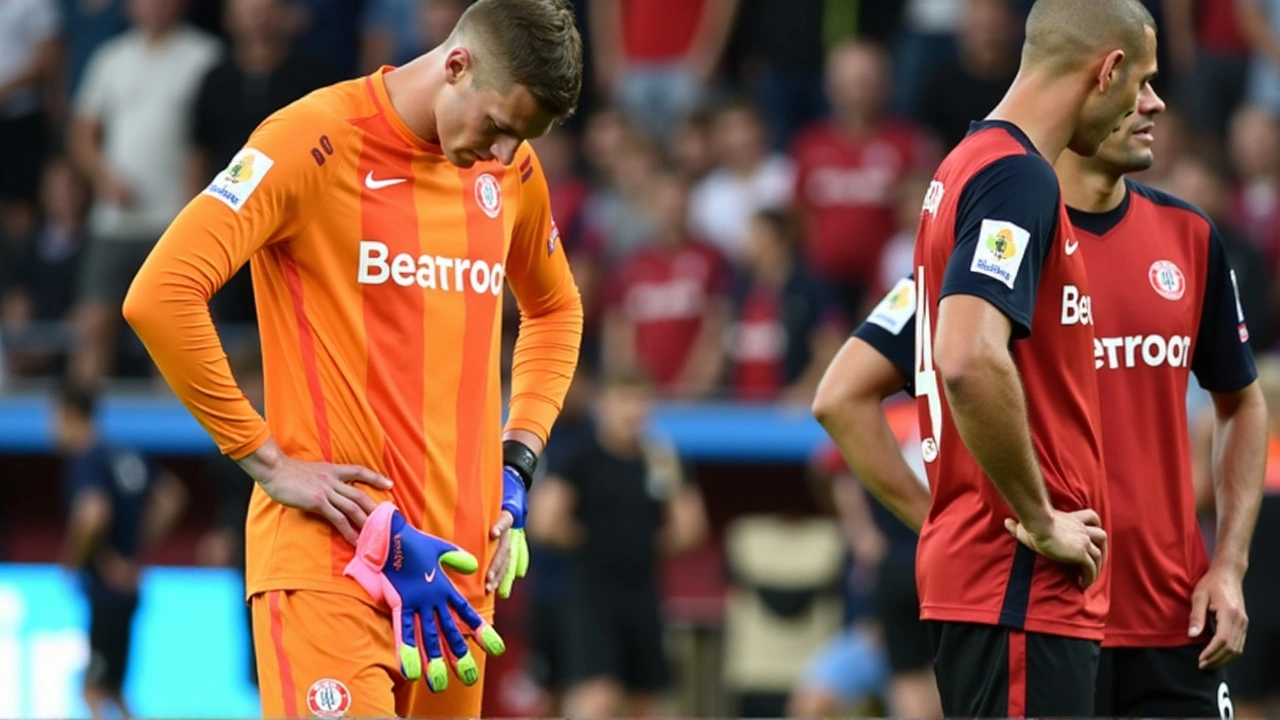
{"points": [[517, 456]]}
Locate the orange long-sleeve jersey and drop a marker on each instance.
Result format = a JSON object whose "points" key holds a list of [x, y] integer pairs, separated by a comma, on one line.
{"points": [[378, 271]]}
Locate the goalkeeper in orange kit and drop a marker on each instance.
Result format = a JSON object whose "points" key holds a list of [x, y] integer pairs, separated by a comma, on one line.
{"points": [[381, 218]]}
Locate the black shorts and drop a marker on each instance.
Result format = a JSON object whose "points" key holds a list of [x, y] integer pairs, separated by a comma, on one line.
{"points": [[906, 637], [22, 144], [616, 635], [110, 635], [991, 671], [1255, 675], [1159, 683], [547, 641]]}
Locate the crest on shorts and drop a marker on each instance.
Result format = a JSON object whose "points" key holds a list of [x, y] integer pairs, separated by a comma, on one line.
{"points": [[328, 698], [1167, 280], [489, 195]]}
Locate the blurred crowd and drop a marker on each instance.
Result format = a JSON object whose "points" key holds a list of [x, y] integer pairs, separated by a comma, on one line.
{"points": [[741, 182]]}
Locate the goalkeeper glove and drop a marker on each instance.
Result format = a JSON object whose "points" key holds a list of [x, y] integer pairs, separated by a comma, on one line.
{"points": [[514, 501], [402, 566]]}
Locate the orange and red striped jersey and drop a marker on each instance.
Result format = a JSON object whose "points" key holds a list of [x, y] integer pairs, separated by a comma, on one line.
{"points": [[378, 269]]}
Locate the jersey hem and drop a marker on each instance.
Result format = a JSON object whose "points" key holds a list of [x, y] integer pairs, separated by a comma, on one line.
{"points": [[1032, 623], [1138, 639], [242, 450], [342, 586]]}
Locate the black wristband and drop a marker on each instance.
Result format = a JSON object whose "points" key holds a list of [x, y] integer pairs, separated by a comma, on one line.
{"points": [[517, 456]]}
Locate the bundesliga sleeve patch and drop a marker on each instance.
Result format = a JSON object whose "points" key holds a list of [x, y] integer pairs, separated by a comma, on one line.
{"points": [[999, 251], [895, 310], [234, 185]]}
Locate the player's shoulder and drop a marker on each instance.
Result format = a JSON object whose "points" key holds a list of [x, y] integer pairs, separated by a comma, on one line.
{"points": [[1170, 203], [526, 162], [999, 153], [334, 106]]}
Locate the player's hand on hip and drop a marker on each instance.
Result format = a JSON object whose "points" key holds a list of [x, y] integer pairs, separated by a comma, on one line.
{"points": [[326, 489], [1072, 538], [512, 559], [405, 568], [1220, 592]]}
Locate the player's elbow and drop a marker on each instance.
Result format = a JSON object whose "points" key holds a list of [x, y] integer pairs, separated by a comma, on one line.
{"points": [[963, 362], [836, 392], [139, 310]]}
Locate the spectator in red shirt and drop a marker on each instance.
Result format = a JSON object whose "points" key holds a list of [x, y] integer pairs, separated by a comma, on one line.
{"points": [[787, 325], [847, 170], [668, 305], [1255, 151], [653, 57]]}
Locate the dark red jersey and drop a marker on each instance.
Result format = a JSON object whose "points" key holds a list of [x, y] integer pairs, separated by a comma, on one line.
{"points": [[993, 226], [1164, 306]]}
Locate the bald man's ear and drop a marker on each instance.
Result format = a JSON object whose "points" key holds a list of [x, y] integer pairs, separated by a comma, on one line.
{"points": [[1111, 71]]}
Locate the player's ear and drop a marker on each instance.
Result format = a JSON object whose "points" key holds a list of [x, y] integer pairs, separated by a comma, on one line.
{"points": [[1111, 70], [457, 64]]}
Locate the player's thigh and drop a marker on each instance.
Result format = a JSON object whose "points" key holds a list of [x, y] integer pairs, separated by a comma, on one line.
{"points": [[989, 671], [1059, 676], [1253, 675], [1165, 682], [322, 654], [415, 699]]}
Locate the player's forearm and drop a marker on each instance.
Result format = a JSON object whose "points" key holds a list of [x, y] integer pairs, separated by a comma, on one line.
{"points": [[1240, 457], [989, 410], [868, 445], [543, 364]]}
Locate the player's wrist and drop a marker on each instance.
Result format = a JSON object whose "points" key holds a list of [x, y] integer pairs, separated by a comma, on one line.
{"points": [[262, 463], [1039, 524], [520, 458]]}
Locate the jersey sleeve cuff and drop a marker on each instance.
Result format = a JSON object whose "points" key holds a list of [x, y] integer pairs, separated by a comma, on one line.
{"points": [[534, 415], [241, 450], [1020, 321]]}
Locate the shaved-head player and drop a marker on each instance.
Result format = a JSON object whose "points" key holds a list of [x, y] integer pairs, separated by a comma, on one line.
{"points": [[1010, 561]]}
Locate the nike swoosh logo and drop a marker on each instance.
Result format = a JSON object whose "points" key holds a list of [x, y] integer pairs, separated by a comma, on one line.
{"points": [[372, 184], [1071, 246], [431, 576]]}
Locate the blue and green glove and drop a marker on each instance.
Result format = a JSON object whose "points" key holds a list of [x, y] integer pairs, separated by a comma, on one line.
{"points": [[402, 566], [515, 501]]}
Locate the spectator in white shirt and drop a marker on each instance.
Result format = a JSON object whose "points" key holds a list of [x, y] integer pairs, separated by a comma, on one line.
{"points": [[749, 178], [130, 133]]}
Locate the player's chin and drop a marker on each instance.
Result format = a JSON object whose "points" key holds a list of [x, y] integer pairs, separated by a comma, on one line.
{"points": [[460, 158]]}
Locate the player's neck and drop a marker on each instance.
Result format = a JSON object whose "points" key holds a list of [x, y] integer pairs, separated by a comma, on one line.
{"points": [[412, 90], [618, 444], [1088, 189], [1043, 110]]}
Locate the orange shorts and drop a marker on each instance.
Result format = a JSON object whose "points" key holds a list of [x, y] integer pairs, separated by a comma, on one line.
{"points": [[332, 655]]}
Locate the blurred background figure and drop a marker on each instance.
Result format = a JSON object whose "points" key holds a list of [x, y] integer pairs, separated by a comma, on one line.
{"points": [[787, 324], [988, 44], [669, 302], [654, 58], [1210, 54], [1255, 153], [130, 136], [120, 506], [619, 501], [37, 282], [1205, 181], [260, 73], [397, 31], [28, 61], [847, 170], [747, 177], [223, 545]]}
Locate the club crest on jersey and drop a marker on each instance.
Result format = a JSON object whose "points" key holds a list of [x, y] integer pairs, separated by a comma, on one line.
{"points": [[999, 251], [328, 698], [896, 309], [1167, 280], [489, 195], [234, 185]]}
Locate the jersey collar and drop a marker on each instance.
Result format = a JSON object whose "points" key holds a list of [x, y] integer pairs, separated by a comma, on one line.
{"points": [[1104, 222]]}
